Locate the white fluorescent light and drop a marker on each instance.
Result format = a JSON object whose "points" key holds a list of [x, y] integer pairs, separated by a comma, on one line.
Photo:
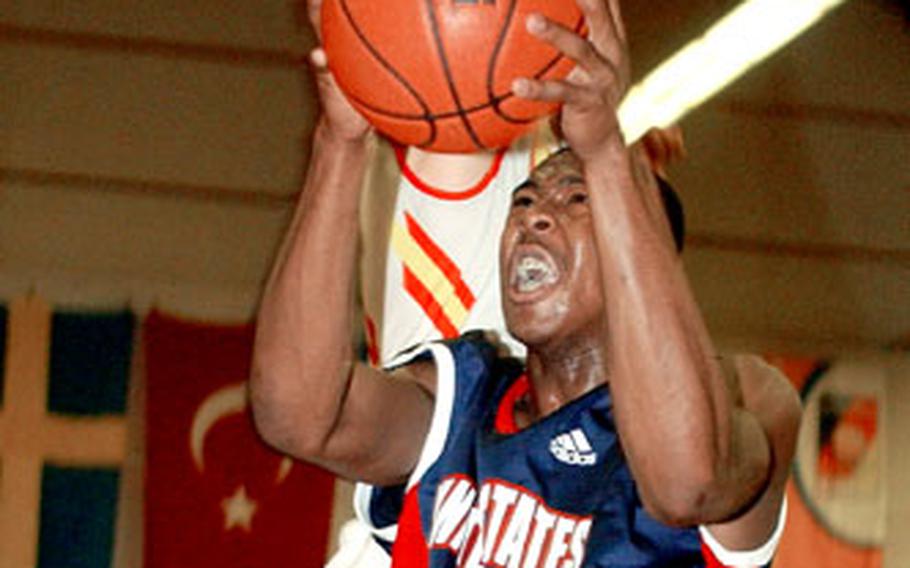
{"points": [[744, 37]]}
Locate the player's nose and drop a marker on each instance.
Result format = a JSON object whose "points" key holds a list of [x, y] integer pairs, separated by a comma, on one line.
{"points": [[539, 218]]}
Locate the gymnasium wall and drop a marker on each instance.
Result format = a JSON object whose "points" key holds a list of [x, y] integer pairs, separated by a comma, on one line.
{"points": [[149, 151], [897, 547]]}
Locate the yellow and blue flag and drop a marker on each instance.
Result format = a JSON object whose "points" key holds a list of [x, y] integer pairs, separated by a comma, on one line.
{"points": [[62, 433]]}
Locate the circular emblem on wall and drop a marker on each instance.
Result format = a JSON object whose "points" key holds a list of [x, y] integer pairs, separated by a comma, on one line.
{"points": [[839, 466]]}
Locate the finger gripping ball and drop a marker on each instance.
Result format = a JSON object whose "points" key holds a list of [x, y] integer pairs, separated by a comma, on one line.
{"points": [[437, 73]]}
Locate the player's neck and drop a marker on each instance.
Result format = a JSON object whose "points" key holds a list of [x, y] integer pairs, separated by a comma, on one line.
{"points": [[449, 172], [559, 376]]}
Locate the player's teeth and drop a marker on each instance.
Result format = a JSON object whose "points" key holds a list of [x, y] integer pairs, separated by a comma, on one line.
{"points": [[532, 273]]}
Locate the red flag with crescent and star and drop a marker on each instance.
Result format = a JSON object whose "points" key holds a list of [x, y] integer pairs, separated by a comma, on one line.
{"points": [[215, 495]]}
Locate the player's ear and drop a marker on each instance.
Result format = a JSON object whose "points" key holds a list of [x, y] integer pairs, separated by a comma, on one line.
{"points": [[663, 146]]}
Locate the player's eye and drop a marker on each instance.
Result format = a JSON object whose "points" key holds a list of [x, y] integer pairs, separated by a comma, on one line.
{"points": [[522, 201], [578, 197]]}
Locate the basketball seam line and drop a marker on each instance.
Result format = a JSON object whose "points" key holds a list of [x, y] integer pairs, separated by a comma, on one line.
{"points": [[491, 70], [434, 25], [394, 72], [496, 101], [440, 116]]}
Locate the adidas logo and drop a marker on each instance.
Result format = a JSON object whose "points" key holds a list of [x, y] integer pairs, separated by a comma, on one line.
{"points": [[573, 448]]}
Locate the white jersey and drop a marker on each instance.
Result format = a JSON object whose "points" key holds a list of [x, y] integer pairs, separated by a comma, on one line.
{"points": [[442, 270]]}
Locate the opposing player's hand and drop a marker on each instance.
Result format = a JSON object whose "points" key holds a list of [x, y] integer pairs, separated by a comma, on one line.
{"points": [[591, 93]]}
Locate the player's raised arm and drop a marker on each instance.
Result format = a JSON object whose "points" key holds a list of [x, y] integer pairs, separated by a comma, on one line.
{"points": [[310, 398], [699, 454]]}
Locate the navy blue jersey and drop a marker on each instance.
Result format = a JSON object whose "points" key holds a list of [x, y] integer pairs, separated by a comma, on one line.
{"points": [[556, 494]]}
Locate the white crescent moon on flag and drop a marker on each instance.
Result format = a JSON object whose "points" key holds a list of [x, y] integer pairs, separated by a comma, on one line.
{"points": [[222, 403]]}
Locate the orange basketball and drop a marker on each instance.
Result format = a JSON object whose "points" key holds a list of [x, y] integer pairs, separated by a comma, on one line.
{"points": [[437, 73]]}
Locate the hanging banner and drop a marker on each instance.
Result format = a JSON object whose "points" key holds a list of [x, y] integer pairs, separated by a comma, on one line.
{"points": [[62, 433], [216, 495]]}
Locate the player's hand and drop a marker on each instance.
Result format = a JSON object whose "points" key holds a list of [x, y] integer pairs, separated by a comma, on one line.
{"points": [[339, 116], [593, 90], [314, 13]]}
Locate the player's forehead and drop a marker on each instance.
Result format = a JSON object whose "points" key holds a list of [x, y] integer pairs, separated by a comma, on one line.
{"points": [[558, 169]]}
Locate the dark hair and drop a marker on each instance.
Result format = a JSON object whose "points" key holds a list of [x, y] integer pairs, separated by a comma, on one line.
{"points": [[673, 208]]}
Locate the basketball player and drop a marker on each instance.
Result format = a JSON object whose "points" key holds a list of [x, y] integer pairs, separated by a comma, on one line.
{"points": [[428, 267], [617, 352], [428, 263]]}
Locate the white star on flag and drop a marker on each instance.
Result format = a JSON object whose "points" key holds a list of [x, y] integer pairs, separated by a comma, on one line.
{"points": [[238, 510]]}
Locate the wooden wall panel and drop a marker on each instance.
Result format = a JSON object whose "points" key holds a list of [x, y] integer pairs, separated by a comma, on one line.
{"points": [[795, 180], [152, 118], [271, 24], [99, 248], [787, 304]]}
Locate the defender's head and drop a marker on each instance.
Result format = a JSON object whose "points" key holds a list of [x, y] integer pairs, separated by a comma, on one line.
{"points": [[550, 281]]}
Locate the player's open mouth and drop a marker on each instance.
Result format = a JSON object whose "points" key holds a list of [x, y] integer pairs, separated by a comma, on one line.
{"points": [[532, 271]]}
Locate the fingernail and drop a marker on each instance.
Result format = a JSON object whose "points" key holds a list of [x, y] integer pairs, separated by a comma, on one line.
{"points": [[535, 23], [520, 87], [317, 57]]}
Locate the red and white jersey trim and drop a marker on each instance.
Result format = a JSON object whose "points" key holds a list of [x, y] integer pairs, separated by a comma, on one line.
{"points": [[760, 556]]}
